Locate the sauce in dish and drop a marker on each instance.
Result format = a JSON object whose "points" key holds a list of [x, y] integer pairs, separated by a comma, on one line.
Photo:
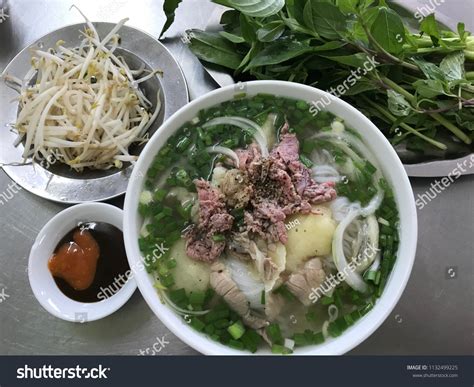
{"points": [[89, 262]]}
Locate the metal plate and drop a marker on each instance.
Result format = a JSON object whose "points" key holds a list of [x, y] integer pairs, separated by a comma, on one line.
{"points": [[58, 182]]}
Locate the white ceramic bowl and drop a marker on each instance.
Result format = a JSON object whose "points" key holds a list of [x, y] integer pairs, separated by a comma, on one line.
{"points": [[391, 167], [42, 282]]}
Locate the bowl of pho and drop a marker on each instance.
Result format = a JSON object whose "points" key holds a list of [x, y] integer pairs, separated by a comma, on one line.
{"points": [[270, 217]]}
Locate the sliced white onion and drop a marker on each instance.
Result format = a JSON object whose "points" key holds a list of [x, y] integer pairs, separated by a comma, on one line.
{"points": [[341, 206], [243, 123], [290, 344], [225, 151], [353, 279], [325, 174], [247, 281], [179, 310]]}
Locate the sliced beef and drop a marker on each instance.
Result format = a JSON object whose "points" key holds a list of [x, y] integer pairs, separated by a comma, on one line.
{"points": [[281, 186], [287, 149], [248, 156], [213, 219], [202, 247]]}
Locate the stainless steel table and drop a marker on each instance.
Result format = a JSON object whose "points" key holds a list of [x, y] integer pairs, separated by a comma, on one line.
{"points": [[434, 316]]}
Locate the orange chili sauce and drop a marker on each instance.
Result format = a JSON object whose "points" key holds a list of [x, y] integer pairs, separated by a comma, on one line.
{"points": [[89, 259]]}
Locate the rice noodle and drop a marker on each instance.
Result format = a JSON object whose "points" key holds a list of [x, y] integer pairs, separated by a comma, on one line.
{"points": [[85, 108]]}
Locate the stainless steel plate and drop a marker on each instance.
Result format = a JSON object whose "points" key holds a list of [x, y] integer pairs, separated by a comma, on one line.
{"points": [[59, 183]]}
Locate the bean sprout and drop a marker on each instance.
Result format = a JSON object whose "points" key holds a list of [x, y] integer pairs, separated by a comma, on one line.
{"points": [[85, 106]]}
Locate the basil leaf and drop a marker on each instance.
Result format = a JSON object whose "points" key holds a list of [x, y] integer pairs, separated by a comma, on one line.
{"points": [[212, 47], [283, 50], [429, 88], [397, 104], [270, 31], [232, 37], [230, 19], [361, 86], [388, 30], [169, 7], [463, 34], [429, 26], [255, 8], [430, 70], [279, 51], [348, 6], [247, 29], [452, 66], [250, 55], [295, 10], [355, 60], [325, 19]]}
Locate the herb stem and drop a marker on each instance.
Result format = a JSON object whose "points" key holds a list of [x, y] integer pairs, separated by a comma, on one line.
{"points": [[408, 128], [385, 53], [438, 117]]}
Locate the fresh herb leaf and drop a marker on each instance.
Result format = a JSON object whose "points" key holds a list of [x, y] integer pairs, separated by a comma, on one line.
{"points": [[255, 8], [452, 66], [169, 7], [429, 26], [213, 48], [388, 30], [270, 31], [325, 19], [231, 37], [397, 104]]}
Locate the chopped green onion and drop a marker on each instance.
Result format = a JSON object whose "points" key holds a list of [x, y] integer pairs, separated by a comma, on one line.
{"points": [[274, 333], [236, 330]]}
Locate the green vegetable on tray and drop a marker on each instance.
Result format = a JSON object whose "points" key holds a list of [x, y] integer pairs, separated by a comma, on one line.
{"points": [[417, 87]]}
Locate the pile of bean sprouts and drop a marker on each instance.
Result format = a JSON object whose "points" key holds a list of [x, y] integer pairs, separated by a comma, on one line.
{"points": [[85, 108]]}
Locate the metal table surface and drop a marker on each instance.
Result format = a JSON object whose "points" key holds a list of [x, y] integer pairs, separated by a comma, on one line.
{"points": [[434, 315]]}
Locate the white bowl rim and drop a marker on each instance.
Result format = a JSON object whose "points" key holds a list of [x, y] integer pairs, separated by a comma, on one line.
{"points": [[42, 282], [386, 156]]}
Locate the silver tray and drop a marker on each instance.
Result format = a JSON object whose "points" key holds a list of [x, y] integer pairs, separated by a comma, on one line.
{"points": [[59, 183]]}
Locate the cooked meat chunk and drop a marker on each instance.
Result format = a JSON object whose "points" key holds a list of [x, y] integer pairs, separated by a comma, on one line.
{"points": [[273, 305], [202, 247], [224, 286], [281, 186], [303, 281], [213, 219], [287, 148], [248, 156], [236, 188]]}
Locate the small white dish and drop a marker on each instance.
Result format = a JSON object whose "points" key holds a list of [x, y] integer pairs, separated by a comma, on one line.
{"points": [[42, 282]]}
